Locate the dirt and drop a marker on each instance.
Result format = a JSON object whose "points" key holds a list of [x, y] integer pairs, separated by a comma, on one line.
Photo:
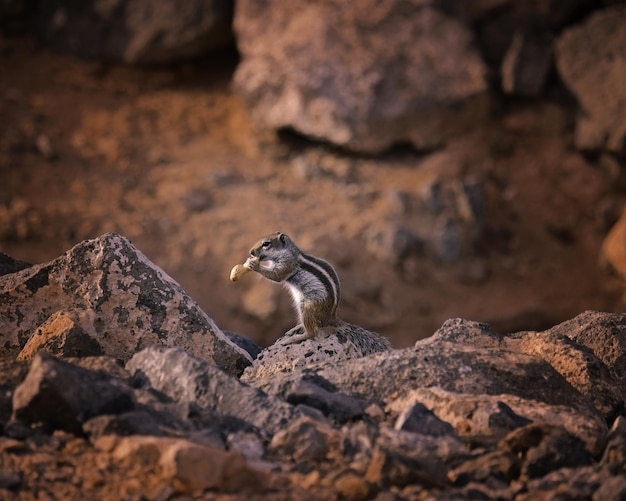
{"points": [[169, 158]]}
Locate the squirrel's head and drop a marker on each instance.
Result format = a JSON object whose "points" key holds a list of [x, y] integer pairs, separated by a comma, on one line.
{"points": [[274, 256]]}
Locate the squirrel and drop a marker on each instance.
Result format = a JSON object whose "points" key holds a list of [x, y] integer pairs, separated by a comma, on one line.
{"points": [[315, 289]]}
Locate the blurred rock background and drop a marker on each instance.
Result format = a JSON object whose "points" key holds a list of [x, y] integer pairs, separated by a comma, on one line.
{"points": [[451, 158]]}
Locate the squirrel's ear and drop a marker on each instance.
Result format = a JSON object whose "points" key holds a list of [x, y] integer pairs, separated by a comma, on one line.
{"points": [[281, 236]]}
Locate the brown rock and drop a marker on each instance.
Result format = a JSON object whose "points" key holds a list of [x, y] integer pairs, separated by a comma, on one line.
{"points": [[615, 451], [361, 75], [614, 247], [527, 63], [304, 440], [605, 335], [352, 487], [592, 63], [139, 32], [575, 362], [188, 466], [62, 335], [501, 465]]}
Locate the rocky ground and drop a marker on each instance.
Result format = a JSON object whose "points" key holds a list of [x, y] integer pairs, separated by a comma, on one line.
{"points": [[460, 164], [169, 159], [87, 411]]}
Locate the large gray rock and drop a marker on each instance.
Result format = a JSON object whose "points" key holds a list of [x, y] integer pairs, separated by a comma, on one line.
{"points": [[64, 396], [346, 341], [591, 59], [360, 75], [121, 299], [142, 31], [483, 392], [188, 379], [578, 364]]}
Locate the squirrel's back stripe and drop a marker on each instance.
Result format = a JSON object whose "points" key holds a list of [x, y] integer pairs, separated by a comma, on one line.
{"points": [[324, 272]]}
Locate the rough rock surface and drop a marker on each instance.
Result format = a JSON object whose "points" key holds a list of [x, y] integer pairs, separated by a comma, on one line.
{"points": [[125, 303], [185, 378], [140, 32], [62, 335], [465, 414], [65, 396], [584, 370], [592, 63], [346, 342], [361, 75]]}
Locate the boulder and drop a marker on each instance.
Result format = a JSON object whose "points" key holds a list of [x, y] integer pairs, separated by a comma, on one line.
{"points": [[482, 392], [346, 341], [190, 467], [578, 364], [139, 32], [64, 396], [591, 60], [124, 303], [363, 76], [185, 378], [604, 334]]}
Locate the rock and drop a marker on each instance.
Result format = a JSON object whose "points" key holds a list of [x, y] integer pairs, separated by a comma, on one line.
{"points": [[125, 302], [65, 396], [189, 466], [566, 483], [245, 343], [615, 450], [419, 419], [61, 335], [527, 63], [545, 449], [345, 341], [303, 441], [249, 445], [440, 375], [361, 76], [605, 335], [138, 422], [352, 487], [483, 420], [188, 379], [314, 391], [453, 368], [576, 363], [499, 465], [393, 243], [614, 247], [9, 265], [142, 32], [611, 489], [10, 480], [591, 61], [402, 458]]}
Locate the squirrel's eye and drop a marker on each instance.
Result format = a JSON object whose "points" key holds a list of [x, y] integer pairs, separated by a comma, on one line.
{"points": [[266, 244]]}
